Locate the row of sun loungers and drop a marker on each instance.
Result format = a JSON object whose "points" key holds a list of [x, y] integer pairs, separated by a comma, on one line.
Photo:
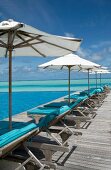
{"points": [[52, 118]]}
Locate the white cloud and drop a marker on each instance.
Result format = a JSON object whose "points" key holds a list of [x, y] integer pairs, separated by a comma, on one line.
{"points": [[67, 34], [96, 57], [99, 53], [27, 69], [101, 44], [1, 14], [82, 52], [1, 72], [109, 49]]}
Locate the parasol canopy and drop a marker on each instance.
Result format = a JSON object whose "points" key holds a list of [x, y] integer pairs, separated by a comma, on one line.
{"points": [[19, 39], [70, 62], [25, 40], [99, 71]]}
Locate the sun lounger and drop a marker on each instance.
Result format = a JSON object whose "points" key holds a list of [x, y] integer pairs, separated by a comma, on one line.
{"points": [[93, 99], [89, 101], [61, 113], [58, 104], [14, 138], [55, 107], [83, 107], [48, 146], [81, 116], [85, 95], [53, 116], [106, 89]]}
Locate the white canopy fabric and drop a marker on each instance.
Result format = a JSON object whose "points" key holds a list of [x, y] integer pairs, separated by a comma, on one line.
{"points": [[29, 41], [100, 71], [18, 39], [72, 60]]}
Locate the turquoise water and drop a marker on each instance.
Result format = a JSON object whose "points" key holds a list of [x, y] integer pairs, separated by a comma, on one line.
{"points": [[50, 85], [28, 94], [26, 100]]}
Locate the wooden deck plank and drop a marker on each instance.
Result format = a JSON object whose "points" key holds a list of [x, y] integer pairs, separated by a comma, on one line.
{"points": [[92, 150]]}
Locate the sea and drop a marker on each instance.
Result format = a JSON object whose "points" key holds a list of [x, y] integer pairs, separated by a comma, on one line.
{"points": [[29, 94]]}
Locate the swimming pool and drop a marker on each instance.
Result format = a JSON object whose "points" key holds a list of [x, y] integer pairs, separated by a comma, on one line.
{"points": [[28, 94], [25, 100]]}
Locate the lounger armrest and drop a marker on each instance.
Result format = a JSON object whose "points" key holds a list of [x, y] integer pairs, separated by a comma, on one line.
{"points": [[45, 146]]}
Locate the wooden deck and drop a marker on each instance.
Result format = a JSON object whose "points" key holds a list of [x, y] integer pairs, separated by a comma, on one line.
{"points": [[91, 151]]}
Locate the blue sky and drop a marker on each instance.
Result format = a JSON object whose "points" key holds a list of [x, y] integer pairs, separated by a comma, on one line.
{"points": [[87, 19]]}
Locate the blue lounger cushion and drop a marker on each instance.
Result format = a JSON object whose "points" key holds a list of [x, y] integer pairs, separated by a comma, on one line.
{"points": [[73, 96], [91, 92], [42, 110], [44, 121], [98, 91], [78, 101], [15, 134], [76, 96], [47, 110], [102, 89], [57, 104]]}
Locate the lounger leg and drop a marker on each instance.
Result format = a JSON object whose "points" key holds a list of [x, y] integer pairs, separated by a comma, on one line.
{"points": [[86, 110], [66, 133], [78, 124], [48, 158], [32, 157], [66, 126], [48, 150], [54, 137], [24, 163], [64, 136], [82, 114]]}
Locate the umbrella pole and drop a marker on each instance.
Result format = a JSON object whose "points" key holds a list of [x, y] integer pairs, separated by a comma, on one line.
{"points": [[69, 83], [10, 89], [96, 80], [100, 79], [88, 82]]}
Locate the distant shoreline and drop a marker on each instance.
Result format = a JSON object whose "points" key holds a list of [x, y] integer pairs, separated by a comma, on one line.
{"points": [[56, 79], [51, 85]]}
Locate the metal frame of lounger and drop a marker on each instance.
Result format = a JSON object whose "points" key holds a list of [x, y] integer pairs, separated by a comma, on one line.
{"points": [[47, 148], [22, 140], [82, 110], [100, 96], [83, 117], [53, 122], [90, 103], [64, 132], [5, 150], [96, 100], [106, 89]]}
